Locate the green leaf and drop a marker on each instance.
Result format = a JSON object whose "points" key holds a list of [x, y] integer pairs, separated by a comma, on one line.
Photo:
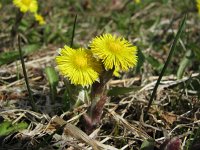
{"points": [[141, 59], [6, 127], [154, 62], [184, 64], [195, 48], [70, 95], [148, 144], [8, 57], [52, 76], [53, 79], [67, 101], [29, 49], [164, 1], [115, 91]]}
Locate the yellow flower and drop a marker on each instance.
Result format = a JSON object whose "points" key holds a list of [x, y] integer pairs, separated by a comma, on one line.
{"points": [[40, 19], [137, 1], [78, 65], [115, 52], [198, 5], [26, 5]]}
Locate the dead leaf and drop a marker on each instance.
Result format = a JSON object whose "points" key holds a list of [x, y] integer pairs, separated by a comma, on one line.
{"points": [[169, 117]]}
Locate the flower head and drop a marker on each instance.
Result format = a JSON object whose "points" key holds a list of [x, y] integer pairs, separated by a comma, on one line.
{"points": [[137, 1], [198, 5], [115, 52], [78, 65], [39, 18], [26, 5]]}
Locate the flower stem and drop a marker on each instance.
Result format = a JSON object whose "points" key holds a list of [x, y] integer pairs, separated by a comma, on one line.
{"points": [[14, 30], [25, 76]]}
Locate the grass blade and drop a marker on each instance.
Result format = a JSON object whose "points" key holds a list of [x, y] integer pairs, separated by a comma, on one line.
{"points": [[25, 76], [73, 31], [173, 47]]}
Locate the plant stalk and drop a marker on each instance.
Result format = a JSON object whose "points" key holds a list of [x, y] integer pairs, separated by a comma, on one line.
{"points": [[25, 76]]}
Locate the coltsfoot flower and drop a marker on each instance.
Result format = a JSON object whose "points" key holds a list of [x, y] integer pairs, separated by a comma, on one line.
{"points": [[198, 6], [78, 65], [26, 5], [115, 52], [137, 1], [39, 18]]}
